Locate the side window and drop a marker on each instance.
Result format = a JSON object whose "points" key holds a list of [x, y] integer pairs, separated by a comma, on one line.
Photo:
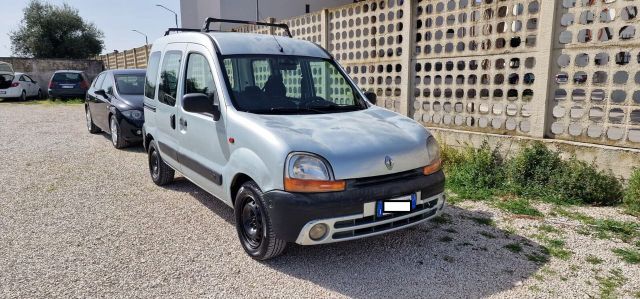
{"points": [[97, 83], [168, 87], [28, 79], [107, 85], [22, 79], [152, 76], [199, 77]]}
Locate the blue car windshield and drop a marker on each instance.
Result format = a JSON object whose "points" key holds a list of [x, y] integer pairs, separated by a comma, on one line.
{"points": [[280, 84]]}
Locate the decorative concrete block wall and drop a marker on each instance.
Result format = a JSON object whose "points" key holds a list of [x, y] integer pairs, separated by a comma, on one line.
{"points": [[563, 69]]}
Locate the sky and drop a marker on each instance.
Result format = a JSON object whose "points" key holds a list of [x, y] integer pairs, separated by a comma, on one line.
{"points": [[116, 19]]}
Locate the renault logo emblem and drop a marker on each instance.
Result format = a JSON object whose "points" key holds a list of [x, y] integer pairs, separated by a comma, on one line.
{"points": [[388, 162]]}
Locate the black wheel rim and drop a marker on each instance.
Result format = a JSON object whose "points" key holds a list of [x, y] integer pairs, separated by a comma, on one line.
{"points": [[251, 221], [155, 165]]}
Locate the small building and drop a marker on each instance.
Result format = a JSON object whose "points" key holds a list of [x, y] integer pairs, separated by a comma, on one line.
{"points": [[194, 12]]}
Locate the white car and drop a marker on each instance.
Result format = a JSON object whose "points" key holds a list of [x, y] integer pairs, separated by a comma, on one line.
{"points": [[18, 86]]}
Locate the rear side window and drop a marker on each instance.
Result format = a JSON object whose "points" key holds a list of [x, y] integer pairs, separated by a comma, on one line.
{"points": [[152, 75], [107, 85], [97, 83], [168, 88], [67, 78]]}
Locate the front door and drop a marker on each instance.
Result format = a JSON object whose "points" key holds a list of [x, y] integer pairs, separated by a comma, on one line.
{"points": [[168, 93], [204, 149]]}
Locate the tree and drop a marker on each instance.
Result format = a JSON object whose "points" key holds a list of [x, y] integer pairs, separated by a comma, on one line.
{"points": [[50, 31]]}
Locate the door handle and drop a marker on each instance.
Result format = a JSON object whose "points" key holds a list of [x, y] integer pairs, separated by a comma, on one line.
{"points": [[172, 120]]}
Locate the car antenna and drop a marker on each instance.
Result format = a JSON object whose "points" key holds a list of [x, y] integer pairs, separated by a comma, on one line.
{"points": [[279, 45]]}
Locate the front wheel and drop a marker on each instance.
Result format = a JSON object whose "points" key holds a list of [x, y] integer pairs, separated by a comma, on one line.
{"points": [[23, 96], [254, 225], [93, 129], [116, 136]]}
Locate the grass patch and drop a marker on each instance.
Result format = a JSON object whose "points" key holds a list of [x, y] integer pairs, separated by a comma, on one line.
{"points": [[626, 231], [549, 229], [537, 258], [609, 285], [554, 247], [55, 102], [534, 173], [632, 194], [629, 255], [514, 247], [519, 206], [594, 260]]}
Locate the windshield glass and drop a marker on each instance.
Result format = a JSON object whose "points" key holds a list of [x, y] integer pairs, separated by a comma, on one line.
{"points": [[130, 84], [279, 84], [69, 78]]}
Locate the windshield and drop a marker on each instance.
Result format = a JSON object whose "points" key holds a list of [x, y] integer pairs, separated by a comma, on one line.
{"points": [[132, 84], [68, 78], [279, 84]]}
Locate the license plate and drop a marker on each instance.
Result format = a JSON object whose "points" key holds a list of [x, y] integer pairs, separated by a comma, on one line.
{"points": [[3, 92], [403, 204], [68, 86]]}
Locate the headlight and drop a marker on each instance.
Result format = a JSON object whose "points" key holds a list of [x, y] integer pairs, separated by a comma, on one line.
{"points": [[133, 114], [309, 173], [433, 149]]}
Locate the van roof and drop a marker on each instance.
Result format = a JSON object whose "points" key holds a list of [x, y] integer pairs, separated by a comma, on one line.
{"points": [[236, 43]]}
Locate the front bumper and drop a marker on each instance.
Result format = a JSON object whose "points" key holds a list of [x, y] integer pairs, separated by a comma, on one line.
{"points": [[131, 130], [350, 214]]}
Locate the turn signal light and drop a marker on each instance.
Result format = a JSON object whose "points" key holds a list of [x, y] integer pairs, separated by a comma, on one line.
{"points": [[432, 168], [298, 185]]}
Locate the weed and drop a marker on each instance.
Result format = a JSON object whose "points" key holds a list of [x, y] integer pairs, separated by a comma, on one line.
{"points": [[605, 228], [629, 255], [518, 206], [537, 258], [610, 284], [582, 182], [55, 102], [478, 174], [446, 239], [594, 260], [554, 247], [514, 247], [549, 229], [442, 219], [632, 194], [532, 169], [487, 235], [483, 221]]}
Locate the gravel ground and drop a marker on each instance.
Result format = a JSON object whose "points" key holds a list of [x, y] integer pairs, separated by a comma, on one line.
{"points": [[79, 218]]}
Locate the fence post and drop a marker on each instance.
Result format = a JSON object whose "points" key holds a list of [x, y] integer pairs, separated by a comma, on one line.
{"points": [[406, 60], [135, 58]]}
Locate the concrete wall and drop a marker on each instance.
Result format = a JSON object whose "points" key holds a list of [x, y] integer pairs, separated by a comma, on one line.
{"points": [[41, 70], [193, 12]]}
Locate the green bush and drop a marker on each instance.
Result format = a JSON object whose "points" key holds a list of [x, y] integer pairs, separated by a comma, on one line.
{"points": [[531, 170], [478, 173], [451, 156], [632, 194], [578, 181]]}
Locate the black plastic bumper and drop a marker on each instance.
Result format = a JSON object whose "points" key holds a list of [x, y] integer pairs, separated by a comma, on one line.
{"points": [[130, 128], [289, 212]]}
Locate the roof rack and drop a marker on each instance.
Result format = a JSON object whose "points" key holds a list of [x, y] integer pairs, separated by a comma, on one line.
{"points": [[181, 30], [208, 22]]}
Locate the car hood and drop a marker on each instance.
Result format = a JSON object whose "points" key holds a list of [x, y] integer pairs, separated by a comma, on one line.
{"points": [[133, 101], [356, 144]]}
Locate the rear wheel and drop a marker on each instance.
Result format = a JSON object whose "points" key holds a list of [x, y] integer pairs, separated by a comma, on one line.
{"points": [[23, 96], [39, 94], [161, 173], [254, 225], [116, 135], [93, 129]]}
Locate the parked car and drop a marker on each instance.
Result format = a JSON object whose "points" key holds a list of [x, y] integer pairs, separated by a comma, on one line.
{"points": [[19, 86], [68, 84], [275, 128], [114, 105]]}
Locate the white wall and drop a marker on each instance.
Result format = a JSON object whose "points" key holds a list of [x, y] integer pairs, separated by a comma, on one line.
{"points": [[195, 11]]}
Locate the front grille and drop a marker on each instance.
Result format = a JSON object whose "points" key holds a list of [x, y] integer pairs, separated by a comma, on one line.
{"points": [[371, 220], [376, 180]]}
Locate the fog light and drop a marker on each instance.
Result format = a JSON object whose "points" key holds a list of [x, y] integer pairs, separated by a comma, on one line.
{"points": [[318, 231], [139, 132]]}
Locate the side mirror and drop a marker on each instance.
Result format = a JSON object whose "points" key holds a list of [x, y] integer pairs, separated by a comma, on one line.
{"points": [[371, 97], [101, 92], [200, 103]]}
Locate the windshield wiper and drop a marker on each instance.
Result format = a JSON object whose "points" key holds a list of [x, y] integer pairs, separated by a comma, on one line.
{"points": [[294, 109]]}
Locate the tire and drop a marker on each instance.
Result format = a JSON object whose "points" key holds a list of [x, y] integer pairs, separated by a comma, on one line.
{"points": [[253, 224], [93, 129], [39, 96], [161, 173], [23, 96], [116, 135]]}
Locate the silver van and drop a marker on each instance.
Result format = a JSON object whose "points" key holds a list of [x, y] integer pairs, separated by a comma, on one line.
{"points": [[275, 128]]}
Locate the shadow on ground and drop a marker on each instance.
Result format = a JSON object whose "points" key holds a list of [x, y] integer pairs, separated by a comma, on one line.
{"points": [[461, 254]]}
